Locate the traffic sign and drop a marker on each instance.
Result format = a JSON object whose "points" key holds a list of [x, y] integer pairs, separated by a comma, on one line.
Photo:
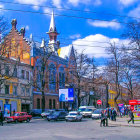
{"points": [[99, 102]]}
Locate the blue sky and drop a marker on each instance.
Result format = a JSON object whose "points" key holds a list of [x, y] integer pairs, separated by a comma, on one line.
{"points": [[80, 32]]}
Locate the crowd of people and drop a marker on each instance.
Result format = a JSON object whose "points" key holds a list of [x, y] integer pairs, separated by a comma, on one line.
{"points": [[112, 114]]}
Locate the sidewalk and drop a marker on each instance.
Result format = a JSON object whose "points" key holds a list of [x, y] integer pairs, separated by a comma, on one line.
{"points": [[123, 122]]}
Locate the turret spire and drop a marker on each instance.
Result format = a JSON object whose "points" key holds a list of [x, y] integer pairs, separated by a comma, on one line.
{"points": [[52, 24], [53, 44]]}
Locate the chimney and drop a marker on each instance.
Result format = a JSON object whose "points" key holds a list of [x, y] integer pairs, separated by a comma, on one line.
{"points": [[22, 31], [14, 23]]}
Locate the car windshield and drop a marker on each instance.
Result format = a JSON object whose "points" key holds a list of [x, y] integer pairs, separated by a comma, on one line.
{"points": [[55, 113], [71, 114], [88, 110], [82, 109], [98, 111], [16, 114]]}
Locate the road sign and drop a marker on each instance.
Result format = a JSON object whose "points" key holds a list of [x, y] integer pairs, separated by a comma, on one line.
{"points": [[99, 102]]}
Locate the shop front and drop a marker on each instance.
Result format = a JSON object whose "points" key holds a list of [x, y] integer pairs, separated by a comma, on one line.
{"points": [[135, 106]]}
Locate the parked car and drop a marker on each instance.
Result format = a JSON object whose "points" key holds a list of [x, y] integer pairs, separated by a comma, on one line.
{"points": [[73, 116], [35, 113], [96, 114], [46, 113], [87, 113], [57, 115], [19, 117]]}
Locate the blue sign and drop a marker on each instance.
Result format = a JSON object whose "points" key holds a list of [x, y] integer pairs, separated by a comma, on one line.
{"points": [[7, 110], [121, 107], [66, 95]]}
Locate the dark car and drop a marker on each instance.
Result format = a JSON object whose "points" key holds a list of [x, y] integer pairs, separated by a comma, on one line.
{"points": [[35, 113], [57, 115]]}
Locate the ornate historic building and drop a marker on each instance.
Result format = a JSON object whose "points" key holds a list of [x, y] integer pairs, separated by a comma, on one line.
{"points": [[15, 71], [56, 69]]}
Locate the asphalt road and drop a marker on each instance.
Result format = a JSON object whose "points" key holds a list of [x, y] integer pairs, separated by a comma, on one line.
{"points": [[88, 129]]}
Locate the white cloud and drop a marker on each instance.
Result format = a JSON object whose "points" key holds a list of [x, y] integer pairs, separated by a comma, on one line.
{"points": [[34, 2], [57, 3], [97, 2], [127, 2], [77, 2], [105, 24], [27, 27], [135, 12], [47, 10], [93, 45], [1, 6], [75, 36]]}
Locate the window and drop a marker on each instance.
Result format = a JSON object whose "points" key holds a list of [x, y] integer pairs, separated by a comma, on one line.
{"points": [[23, 90], [50, 104], [64, 106], [61, 77], [22, 74], [38, 103], [15, 72], [6, 89], [7, 70], [53, 103], [27, 75], [14, 90], [52, 77], [27, 91]]}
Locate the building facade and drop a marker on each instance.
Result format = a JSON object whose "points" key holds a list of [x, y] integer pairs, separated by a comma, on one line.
{"points": [[15, 71]]}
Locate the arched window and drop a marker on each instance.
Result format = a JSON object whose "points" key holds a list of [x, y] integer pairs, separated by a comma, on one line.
{"points": [[52, 77], [61, 77], [50, 104], [53, 103]]}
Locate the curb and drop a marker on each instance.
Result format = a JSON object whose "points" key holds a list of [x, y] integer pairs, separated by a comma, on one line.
{"points": [[129, 125]]}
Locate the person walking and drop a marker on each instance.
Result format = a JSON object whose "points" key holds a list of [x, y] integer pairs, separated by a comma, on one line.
{"points": [[106, 117], [1, 116], [131, 117], [108, 113], [102, 118], [111, 113], [114, 114]]}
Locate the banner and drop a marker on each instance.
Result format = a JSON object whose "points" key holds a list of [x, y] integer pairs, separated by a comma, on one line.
{"points": [[66, 95], [7, 110], [121, 107]]}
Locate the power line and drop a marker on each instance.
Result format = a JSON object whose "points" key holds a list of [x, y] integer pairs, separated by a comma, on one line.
{"points": [[86, 11], [33, 12]]}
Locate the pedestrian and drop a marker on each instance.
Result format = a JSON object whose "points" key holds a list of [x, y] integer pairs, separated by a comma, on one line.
{"points": [[1, 116], [131, 116], [111, 113], [102, 119], [114, 114], [108, 113], [106, 117], [14, 112]]}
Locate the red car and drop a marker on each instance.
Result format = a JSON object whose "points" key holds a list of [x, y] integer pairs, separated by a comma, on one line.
{"points": [[19, 117]]}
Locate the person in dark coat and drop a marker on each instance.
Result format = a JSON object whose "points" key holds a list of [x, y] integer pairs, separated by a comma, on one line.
{"points": [[102, 119], [114, 114], [1, 116], [131, 116]]}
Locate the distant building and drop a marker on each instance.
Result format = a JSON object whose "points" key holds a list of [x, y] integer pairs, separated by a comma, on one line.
{"points": [[15, 71], [57, 69]]}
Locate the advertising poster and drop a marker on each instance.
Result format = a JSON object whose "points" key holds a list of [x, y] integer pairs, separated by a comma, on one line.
{"points": [[63, 95], [7, 110], [66, 95], [121, 107]]}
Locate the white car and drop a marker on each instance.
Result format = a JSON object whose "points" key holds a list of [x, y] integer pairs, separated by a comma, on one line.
{"points": [[96, 114], [73, 116], [87, 113]]}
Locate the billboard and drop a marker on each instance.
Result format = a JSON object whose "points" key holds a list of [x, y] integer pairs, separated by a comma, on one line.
{"points": [[66, 95], [7, 110]]}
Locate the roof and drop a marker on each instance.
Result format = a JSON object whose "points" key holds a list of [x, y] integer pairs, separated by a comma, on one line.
{"points": [[65, 52]]}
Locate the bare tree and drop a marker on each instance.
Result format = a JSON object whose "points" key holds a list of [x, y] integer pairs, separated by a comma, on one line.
{"points": [[41, 71], [80, 71], [114, 69]]}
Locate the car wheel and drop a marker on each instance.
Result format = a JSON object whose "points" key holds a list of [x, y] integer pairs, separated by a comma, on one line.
{"points": [[16, 121], [28, 120], [48, 119]]}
